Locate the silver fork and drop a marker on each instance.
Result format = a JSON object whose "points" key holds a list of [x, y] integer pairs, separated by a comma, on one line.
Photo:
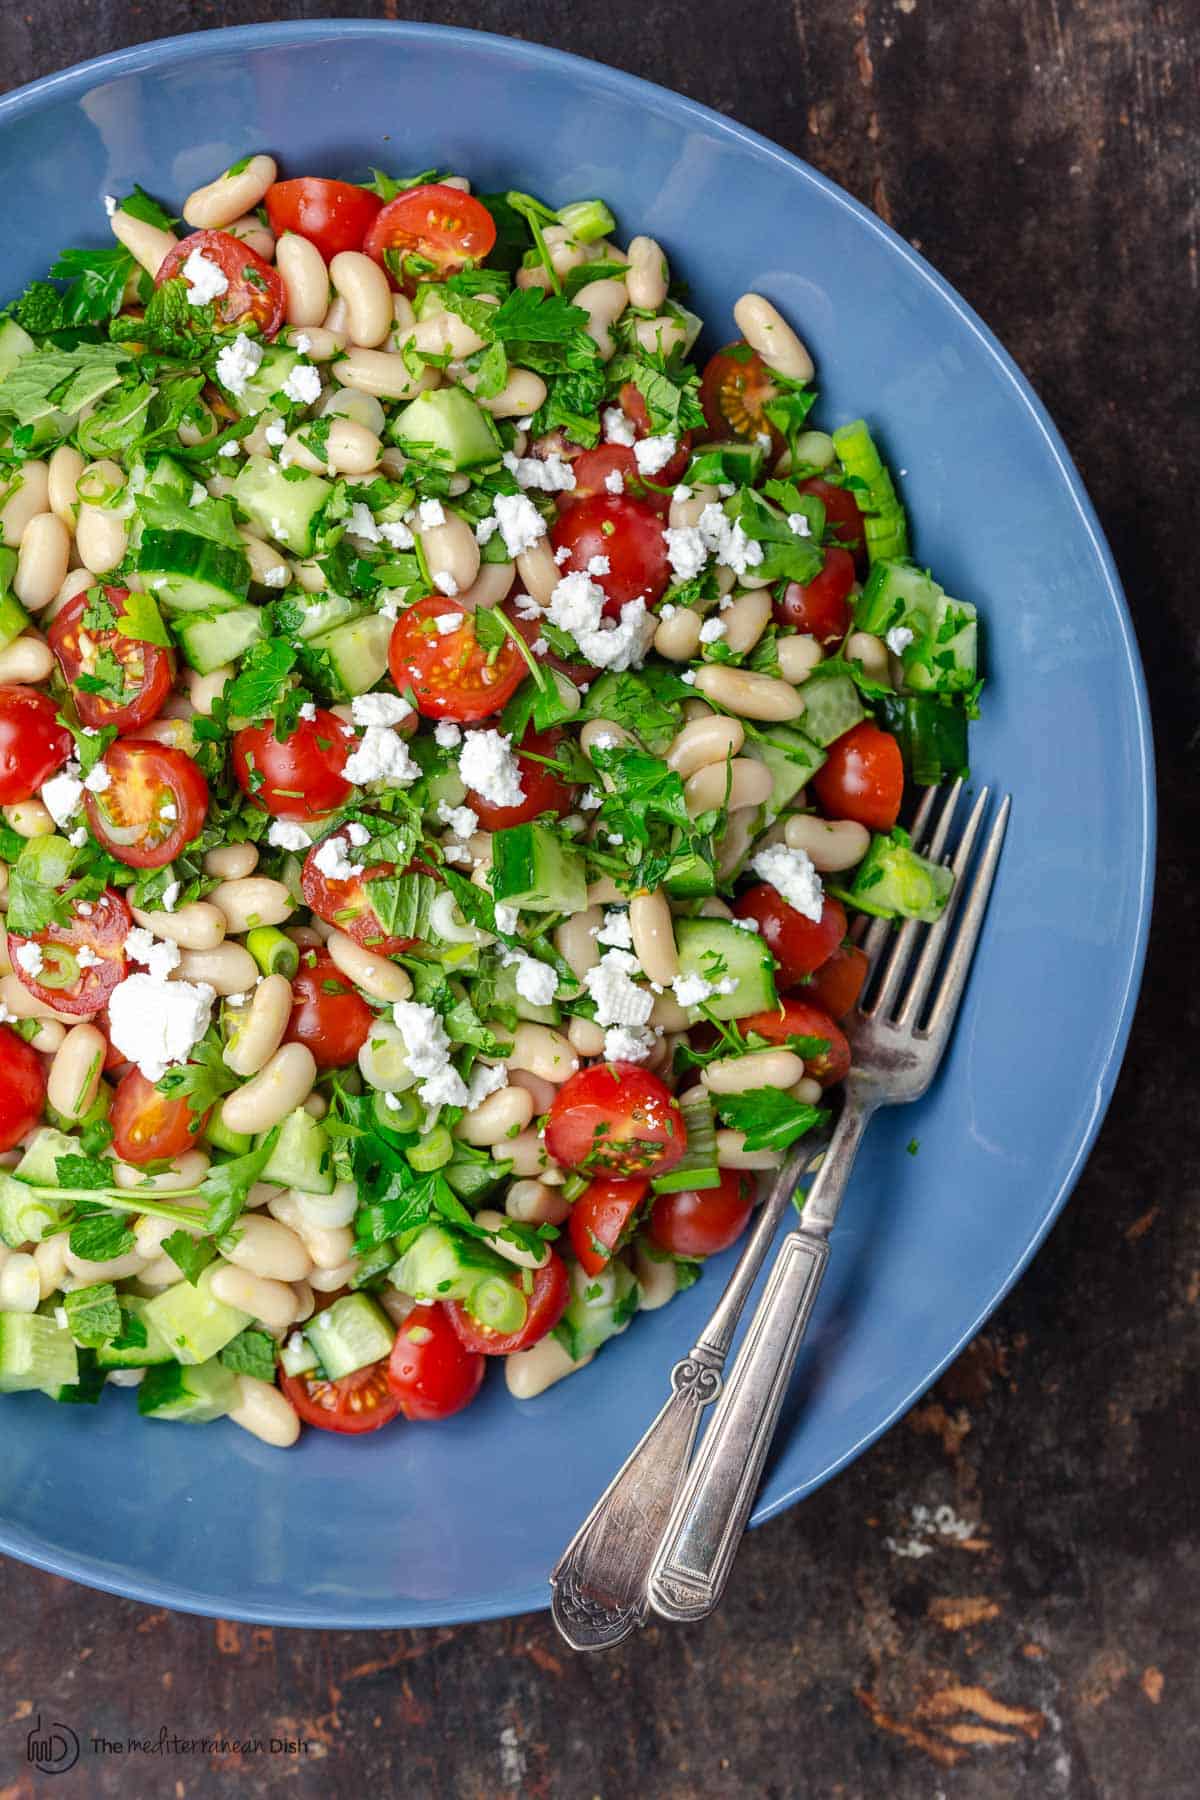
{"points": [[898, 1037]]}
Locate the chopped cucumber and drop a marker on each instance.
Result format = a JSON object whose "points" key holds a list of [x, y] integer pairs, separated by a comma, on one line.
{"points": [[26, 1217], [302, 1157], [323, 611], [87, 1387], [893, 882], [831, 707], [297, 1356], [533, 868], [39, 1164], [713, 949], [505, 994], [690, 877], [192, 1321], [896, 593], [352, 1333], [14, 344], [209, 640], [35, 1352], [272, 372], [286, 510], [885, 524], [733, 460], [351, 658], [441, 1264], [932, 733], [699, 1166], [143, 1356], [793, 760], [192, 574], [166, 476], [945, 661], [447, 426], [13, 617], [600, 1307], [218, 1134], [191, 1395]]}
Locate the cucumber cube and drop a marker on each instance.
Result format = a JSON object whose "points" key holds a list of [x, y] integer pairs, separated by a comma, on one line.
{"points": [[35, 1353], [192, 1321]]}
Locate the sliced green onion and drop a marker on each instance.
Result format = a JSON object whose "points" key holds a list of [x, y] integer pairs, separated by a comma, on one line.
{"points": [[498, 1304], [434, 1151], [273, 951]]}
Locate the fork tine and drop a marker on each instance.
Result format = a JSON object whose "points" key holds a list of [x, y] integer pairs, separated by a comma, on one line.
{"points": [[973, 907], [905, 938], [871, 934], [926, 966]]}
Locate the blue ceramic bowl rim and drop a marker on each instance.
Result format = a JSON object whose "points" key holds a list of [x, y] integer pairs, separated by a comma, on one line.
{"points": [[186, 46]]}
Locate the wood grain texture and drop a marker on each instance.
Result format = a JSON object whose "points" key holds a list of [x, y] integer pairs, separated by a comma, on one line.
{"points": [[999, 1599]]}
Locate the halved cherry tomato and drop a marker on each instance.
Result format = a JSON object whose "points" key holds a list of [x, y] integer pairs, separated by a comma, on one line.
{"points": [[154, 804], [836, 985], [357, 1403], [64, 981], [545, 1303], [632, 402], [22, 1088], [796, 1018], [147, 670], [431, 1372], [347, 904], [703, 1221], [628, 536], [327, 1014], [255, 292], [843, 521], [821, 607], [545, 792], [617, 1119], [149, 1126], [333, 215], [594, 468], [734, 388], [799, 945], [429, 233], [450, 675], [602, 1218], [33, 745], [300, 778], [862, 778]]}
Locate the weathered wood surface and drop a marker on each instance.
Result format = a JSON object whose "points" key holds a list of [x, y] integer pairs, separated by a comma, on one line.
{"points": [[1044, 154]]}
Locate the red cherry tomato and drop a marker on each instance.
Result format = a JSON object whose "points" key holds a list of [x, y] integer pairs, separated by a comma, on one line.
{"points": [[147, 670], [327, 1014], [333, 215], [65, 983], [843, 521], [255, 293], [704, 1221], [821, 607], [22, 1088], [450, 675], [862, 778], [632, 402], [798, 944], [836, 985], [616, 1119], [33, 745], [357, 1403], [545, 792], [734, 388], [154, 804], [439, 227], [796, 1018], [628, 534], [300, 778], [545, 1302], [593, 470], [432, 1373], [347, 904], [602, 1217], [149, 1126]]}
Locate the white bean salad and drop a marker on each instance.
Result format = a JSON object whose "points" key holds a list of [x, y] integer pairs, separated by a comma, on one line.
{"points": [[443, 732]]}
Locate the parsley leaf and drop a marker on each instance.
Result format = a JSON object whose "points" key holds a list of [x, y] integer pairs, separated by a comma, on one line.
{"points": [[212, 519], [96, 281], [671, 393], [93, 1314], [201, 1081], [251, 1353], [191, 1255], [771, 1119], [227, 1184], [141, 205], [141, 619], [261, 680]]}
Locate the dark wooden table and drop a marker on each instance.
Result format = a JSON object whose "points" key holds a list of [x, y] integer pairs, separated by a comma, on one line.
{"points": [[1045, 154]]}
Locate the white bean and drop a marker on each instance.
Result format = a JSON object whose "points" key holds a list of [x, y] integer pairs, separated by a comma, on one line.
{"points": [[538, 571], [146, 243], [654, 937], [494, 1222], [832, 847], [220, 202], [522, 393], [732, 1153], [197, 926], [306, 1304], [758, 1069], [660, 336], [798, 657], [63, 472], [677, 637], [48, 1037], [657, 1281], [28, 818], [74, 1078], [26, 659], [807, 1090], [871, 652], [543, 1051], [584, 1035], [184, 1172], [252, 900], [115, 1268], [150, 1234], [270, 1301], [383, 373], [533, 1203], [327, 1281], [490, 586], [442, 334], [256, 236], [259, 1034], [51, 1259], [603, 302], [265, 1247], [735, 841], [451, 552], [687, 512], [317, 343], [767, 331], [737, 784], [748, 694], [353, 449], [375, 975], [329, 1246], [100, 531], [362, 284], [711, 739], [360, 409], [229, 862], [528, 1373], [278, 1089], [667, 1014], [647, 275], [265, 1413], [327, 1211], [503, 1114], [26, 497], [305, 279], [746, 620]]}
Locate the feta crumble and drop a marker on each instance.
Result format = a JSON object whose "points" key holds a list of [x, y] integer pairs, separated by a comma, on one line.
{"points": [[687, 551], [619, 1000], [331, 859], [379, 709], [623, 1043], [158, 955], [284, 835], [520, 522], [712, 631], [155, 1022], [537, 982], [898, 639], [205, 280], [62, 794], [461, 820], [548, 474], [29, 957], [792, 875], [654, 453], [487, 766], [616, 930], [430, 514], [303, 385], [381, 755], [614, 481], [445, 583], [447, 735], [618, 427]]}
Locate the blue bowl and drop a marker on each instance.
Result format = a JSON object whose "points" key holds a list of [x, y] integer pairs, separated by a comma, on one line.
{"points": [[434, 1525]]}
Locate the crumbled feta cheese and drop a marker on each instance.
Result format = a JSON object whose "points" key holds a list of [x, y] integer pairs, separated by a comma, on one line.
{"points": [[654, 453], [205, 280], [550, 474], [155, 1022], [792, 875], [682, 493], [168, 811], [712, 631], [158, 955], [307, 711], [619, 1001], [618, 427], [379, 709], [98, 781], [484, 1081], [396, 533], [799, 524], [357, 834], [302, 342], [487, 766], [461, 820], [733, 548], [198, 495], [898, 639], [521, 524], [110, 204], [276, 434], [693, 990], [331, 859], [381, 755], [277, 577], [507, 918], [625, 1044], [427, 1053], [447, 735], [303, 385], [486, 529], [29, 957], [284, 835], [590, 800], [726, 489], [577, 606], [614, 481], [430, 514], [170, 896], [536, 981], [361, 524], [616, 930], [746, 924], [562, 554], [445, 583], [62, 794], [687, 551], [78, 838], [599, 565], [689, 677]]}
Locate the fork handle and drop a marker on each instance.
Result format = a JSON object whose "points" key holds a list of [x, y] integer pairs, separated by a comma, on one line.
{"points": [[689, 1574]]}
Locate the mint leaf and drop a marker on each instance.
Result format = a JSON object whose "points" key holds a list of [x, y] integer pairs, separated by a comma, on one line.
{"points": [[251, 1353], [93, 1314], [101, 1236]]}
